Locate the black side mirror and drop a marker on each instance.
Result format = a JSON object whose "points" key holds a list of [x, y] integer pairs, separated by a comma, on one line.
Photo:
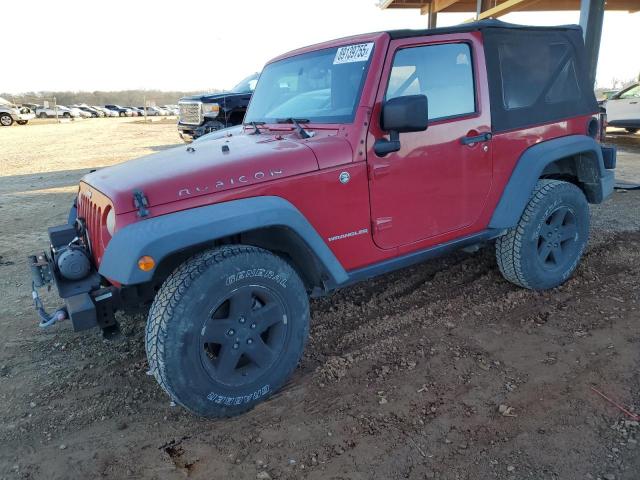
{"points": [[400, 115]]}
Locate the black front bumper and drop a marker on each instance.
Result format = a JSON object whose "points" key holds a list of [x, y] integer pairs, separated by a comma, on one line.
{"points": [[88, 302], [188, 133]]}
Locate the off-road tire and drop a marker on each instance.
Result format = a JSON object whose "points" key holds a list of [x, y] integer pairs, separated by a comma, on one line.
{"points": [[6, 120], [523, 253], [631, 130], [185, 308]]}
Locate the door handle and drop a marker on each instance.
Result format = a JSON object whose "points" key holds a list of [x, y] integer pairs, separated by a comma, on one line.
{"points": [[379, 170], [483, 137]]}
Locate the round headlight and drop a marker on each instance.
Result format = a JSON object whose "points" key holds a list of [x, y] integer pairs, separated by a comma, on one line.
{"points": [[111, 222]]}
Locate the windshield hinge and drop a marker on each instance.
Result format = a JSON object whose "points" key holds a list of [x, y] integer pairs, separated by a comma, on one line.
{"points": [[141, 203]]}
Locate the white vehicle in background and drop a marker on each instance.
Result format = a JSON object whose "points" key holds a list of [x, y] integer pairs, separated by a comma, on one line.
{"points": [[94, 113], [106, 111], [10, 113], [172, 109], [89, 112], [623, 109], [162, 111], [79, 112], [61, 111], [153, 111]]}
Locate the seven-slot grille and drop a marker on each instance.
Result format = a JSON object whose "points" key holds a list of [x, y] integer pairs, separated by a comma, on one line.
{"points": [[190, 113], [92, 215]]}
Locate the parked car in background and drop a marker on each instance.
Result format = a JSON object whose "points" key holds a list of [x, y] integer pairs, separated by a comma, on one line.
{"points": [[152, 111], [138, 112], [122, 111], [93, 110], [79, 112], [606, 95], [161, 111], [10, 113], [107, 112], [90, 113], [208, 112], [623, 109], [172, 109], [31, 106], [60, 111]]}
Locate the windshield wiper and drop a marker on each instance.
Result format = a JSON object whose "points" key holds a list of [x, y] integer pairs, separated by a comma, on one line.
{"points": [[256, 130], [297, 121]]}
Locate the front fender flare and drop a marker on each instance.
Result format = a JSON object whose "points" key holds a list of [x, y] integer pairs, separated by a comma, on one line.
{"points": [[594, 178], [161, 236]]}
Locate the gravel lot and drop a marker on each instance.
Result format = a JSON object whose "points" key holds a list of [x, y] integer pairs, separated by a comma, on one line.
{"points": [[403, 377]]}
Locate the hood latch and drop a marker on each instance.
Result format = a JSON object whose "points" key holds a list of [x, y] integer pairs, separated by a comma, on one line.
{"points": [[141, 203]]}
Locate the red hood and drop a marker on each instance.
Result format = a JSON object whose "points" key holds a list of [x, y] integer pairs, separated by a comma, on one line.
{"points": [[203, 168]]}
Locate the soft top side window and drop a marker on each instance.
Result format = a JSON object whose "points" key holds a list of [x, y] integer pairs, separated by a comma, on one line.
{"points": [[444, 73]]}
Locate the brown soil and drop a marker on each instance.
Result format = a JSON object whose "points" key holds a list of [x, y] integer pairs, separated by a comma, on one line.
{"points": [[403, 376]]}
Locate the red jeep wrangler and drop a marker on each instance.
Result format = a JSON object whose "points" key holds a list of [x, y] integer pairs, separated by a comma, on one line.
{"points": [[357, 157]]}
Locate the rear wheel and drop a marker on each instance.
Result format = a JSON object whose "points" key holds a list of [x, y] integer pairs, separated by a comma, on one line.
{"points": [[227, 329], [66, 115], [6, 120], [544, 248]]}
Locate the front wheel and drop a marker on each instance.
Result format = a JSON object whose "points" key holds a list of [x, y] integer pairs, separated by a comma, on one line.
{"points": [[22, 122], [227, 329], [544, 248]]}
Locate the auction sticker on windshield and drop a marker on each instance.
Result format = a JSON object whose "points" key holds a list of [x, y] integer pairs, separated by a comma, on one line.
{"points": [[353, 53]]}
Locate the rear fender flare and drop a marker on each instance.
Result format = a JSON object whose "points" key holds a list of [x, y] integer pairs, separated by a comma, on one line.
{"points": [[596, 182]]}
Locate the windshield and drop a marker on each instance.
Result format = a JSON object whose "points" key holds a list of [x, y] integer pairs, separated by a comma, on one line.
{"points": [[319, 87], [246, 85]]}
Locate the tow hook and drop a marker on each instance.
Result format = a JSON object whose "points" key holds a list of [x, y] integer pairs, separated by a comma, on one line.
{"points": [[47, 320]]}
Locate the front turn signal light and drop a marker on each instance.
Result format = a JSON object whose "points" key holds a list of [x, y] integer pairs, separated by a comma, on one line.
{"points": [[146, 263]]}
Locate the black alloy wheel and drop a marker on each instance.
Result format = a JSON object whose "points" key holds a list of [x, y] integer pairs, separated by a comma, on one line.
{"points": [[244, 335]]}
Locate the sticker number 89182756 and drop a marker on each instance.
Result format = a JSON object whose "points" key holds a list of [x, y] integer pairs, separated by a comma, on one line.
{"points": [[353, 53]]}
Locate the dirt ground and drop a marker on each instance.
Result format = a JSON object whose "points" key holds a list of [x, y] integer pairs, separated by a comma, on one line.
{"points": [[403, 376]]}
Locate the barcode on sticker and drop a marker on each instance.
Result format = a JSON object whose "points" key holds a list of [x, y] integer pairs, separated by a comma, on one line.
{"points": [[353, 53]]}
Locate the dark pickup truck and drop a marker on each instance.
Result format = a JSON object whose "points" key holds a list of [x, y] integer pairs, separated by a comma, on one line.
{"points": [[205, 113]]}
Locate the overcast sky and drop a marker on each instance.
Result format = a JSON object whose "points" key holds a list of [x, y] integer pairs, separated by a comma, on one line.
{"points": [[191, 45]]}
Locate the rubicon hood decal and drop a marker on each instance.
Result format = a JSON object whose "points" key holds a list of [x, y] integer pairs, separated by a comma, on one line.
{"points": [[231, 181], [176, 174]]}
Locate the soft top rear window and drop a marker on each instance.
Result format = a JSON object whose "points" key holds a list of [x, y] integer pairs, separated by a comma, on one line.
{"points": [[536, 76]]}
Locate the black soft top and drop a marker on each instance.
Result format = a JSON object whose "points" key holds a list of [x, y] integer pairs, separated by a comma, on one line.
{"points": [[536, 75], [475, 27]]}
